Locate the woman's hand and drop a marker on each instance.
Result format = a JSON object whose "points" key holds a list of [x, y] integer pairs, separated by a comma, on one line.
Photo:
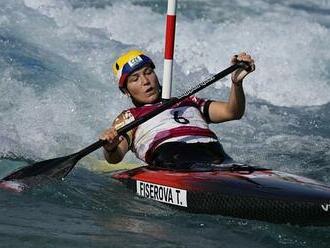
{"points": [[238, 75], [111, 136]]}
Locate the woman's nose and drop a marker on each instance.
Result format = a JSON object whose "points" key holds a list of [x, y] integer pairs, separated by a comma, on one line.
{"points": [[145, 80]]}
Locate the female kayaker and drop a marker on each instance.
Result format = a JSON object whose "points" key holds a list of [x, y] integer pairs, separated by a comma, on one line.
{"points": [[179, 137]]}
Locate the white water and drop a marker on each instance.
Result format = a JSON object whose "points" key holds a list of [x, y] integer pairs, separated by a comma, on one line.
{"points": [[57, 94], [58, 91], [290, 47]]}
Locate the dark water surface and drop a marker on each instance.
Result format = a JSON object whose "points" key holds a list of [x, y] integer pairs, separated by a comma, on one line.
{"points": [[57, 94]]}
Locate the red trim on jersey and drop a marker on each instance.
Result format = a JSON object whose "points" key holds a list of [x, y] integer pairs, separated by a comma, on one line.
{"points": [[194, 101], [190, 101]]}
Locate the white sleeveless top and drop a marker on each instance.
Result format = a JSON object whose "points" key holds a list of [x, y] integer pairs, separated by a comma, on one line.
{"points": [[183, 122]]}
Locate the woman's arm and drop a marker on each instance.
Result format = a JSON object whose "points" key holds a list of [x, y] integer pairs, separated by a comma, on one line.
{"points": [[235, 107]]}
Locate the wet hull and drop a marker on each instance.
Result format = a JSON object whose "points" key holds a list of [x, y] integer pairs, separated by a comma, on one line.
{"points": [[242, 192]]}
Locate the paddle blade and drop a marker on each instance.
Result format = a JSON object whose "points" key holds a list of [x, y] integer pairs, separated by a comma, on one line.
{"points": [[53, 168]]}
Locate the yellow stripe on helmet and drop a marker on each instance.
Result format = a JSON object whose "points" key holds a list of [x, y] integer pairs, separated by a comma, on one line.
{"points": [[131, 60]]}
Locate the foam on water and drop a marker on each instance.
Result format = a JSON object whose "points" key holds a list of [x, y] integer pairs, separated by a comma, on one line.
{"points": [[291, 49], [57, 93], [56, 57]]}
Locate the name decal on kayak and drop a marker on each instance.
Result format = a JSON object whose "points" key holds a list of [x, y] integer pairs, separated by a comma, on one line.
{"points": [[325, 207], [162, 193]]}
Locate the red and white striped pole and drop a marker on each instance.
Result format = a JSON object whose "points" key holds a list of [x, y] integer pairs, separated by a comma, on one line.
{"points": [[169, 49]]}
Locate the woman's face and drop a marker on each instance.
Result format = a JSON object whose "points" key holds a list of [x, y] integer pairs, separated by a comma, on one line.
{"points": [[143, 85]]}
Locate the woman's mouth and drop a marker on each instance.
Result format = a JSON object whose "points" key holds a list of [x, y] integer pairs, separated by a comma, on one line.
{"points": [[149, 91]]}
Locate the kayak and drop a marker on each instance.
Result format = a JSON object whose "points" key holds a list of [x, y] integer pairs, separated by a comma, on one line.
{"points": [[235, 190]]}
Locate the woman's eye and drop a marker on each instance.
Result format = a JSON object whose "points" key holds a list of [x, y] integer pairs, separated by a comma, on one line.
{"points": [[133, 79], [148, 71]]}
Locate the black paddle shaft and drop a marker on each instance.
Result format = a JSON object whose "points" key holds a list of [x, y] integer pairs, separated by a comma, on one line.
{"points": [[169, 103], [60, 167]]}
